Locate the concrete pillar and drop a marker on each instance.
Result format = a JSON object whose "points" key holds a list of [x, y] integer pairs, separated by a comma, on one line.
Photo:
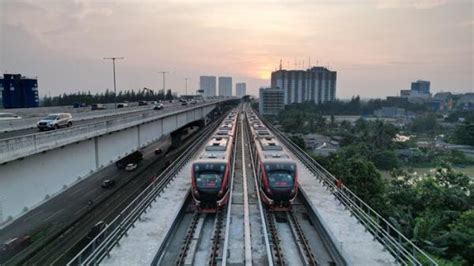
{"points": [[96, 152], [138, 138]]}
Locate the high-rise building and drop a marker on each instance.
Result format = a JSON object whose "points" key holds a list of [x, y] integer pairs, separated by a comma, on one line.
{"points": [[421, 86], [18, 92], [317, 84], [271, 101], [419, 92], [240, 89], [208, 86], [225, 86]]}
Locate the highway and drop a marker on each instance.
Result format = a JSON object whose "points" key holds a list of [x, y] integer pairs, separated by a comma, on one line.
{"points": [[65, 220], [168, 107], [151, 207]]}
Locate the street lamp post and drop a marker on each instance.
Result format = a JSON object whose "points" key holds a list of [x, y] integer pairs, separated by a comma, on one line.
{"points": [[164, 80], [115, 83], [186, 85]]}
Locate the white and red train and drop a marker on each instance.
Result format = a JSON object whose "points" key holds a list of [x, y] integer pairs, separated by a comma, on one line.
{"points": [[210, 173], [277, 174]]}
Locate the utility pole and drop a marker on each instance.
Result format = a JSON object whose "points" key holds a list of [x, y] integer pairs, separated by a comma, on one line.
{"points": [[115, 83], [164, 80], [186, 85]]}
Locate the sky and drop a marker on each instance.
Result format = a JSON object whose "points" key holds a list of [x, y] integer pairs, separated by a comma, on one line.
{"points": [[378, 47]]}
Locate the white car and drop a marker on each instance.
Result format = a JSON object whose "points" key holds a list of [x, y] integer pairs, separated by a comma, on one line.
{"points": [[158, 106], [8, 116], [55, 121], [130, 167]]}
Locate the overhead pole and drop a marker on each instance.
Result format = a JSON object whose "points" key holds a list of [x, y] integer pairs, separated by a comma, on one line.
{"points": [[186, 85], [115, 82], [164, 80]]}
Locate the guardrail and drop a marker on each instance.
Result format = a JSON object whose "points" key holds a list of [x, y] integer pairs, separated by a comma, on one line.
{"points": [[17, 147], [30, 122], [404, 250], [109, 237]]}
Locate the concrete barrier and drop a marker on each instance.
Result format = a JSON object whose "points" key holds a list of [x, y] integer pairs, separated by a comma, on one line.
{"points": [[18, 147], [25, 123]]}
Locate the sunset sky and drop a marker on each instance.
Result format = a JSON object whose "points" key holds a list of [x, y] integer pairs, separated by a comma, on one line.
{"points": [[377, 47]]}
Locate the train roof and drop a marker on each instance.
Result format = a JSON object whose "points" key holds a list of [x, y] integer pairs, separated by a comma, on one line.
{"points": [[271, 148], [268, 146], [216, 148], [217, 144]]}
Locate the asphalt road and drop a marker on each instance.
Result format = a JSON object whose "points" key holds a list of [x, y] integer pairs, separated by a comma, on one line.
{"points": [[61, 210], [23, 132]]}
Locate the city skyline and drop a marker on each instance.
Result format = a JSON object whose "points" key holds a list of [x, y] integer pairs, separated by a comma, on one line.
{"points": [[377, 47]]}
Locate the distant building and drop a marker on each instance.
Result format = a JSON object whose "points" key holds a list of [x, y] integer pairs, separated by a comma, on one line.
{"points": [[397, 101], [320, 144], [443, 96], [390, 112], [421, 86], [419, 92], [271, 101], [225, 86], [240, 90], [317, 84], [435, 105], [208, 86], [466, 98], [17, 91]]}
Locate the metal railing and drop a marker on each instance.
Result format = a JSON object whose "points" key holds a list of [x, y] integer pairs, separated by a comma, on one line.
{"points": [[17, 147], [109, 237], [30, 122], [404, 250]]}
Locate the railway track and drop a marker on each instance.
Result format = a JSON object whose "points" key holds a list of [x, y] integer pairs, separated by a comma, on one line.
{"points": [[294, 236], [61, 247], [100, 246], [200, 244]]}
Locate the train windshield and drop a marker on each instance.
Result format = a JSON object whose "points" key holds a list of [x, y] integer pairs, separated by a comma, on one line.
{"points": [[209, 176], [281, 176]]}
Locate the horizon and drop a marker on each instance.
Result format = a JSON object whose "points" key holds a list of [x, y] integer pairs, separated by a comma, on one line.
{"points": [[377, 47]]}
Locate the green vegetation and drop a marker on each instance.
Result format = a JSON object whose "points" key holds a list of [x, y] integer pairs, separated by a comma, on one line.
{"points": [[106, 97], [435, 210], [425, 124], [464, 134]]}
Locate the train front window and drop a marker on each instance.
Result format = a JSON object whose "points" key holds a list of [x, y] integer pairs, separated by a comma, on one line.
{"points": [[209, 176], [280, 175]]}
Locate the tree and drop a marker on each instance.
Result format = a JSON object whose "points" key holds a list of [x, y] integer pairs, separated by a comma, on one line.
{"points": [[431, 210], [464, 134], [363, 178], [425, 124], [169, 95], [385, 160], [298, 141]]}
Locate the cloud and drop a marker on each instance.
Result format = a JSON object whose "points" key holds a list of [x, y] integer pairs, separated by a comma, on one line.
{"points": [[417, 4]]}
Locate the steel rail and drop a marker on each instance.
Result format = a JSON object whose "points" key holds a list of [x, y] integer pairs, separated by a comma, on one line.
{"points": [[229, 206], [404, 250], [247, 243], [259, 201], [183, 255], [96, 250], [188, 239], [216, 238], [303, 244]]}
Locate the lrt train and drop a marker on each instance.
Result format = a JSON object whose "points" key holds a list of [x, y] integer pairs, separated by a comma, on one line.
{"points": [[210, 173], [277, 174]]}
